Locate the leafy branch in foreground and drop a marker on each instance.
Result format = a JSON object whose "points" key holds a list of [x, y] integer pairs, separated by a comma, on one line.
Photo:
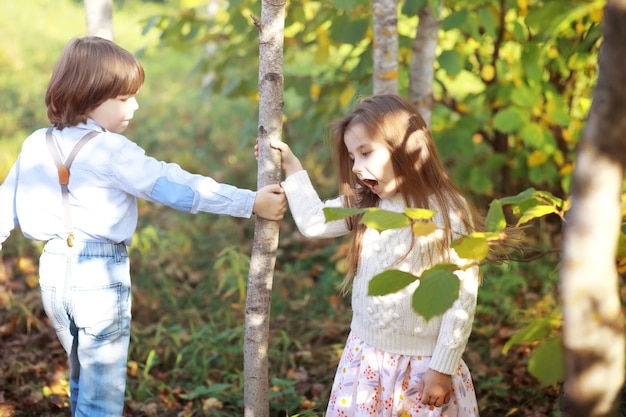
{"points": [[439, 286]]}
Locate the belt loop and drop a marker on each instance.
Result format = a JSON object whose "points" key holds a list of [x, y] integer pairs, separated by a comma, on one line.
{"points": [[119, 249]]}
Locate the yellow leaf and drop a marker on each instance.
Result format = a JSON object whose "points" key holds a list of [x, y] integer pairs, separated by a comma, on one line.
{"points": [[423, 228], [32, 281], [391, 75], [567, 135], [597, 15], [191, 4], [566, 169], [488, 72], [346, 95], [315, 91], [536, 158], [553, 52]]}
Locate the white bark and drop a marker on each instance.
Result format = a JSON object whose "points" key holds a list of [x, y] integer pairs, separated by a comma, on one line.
{"points": [[385, 20], [265, 243], [99, 15], [422, 72], [593, 325]]}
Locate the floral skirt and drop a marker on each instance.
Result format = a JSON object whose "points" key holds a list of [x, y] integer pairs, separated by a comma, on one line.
{"points": [[371, 382]]}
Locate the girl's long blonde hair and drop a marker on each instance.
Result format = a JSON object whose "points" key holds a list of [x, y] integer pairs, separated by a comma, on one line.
{"points": [[422, 178]]}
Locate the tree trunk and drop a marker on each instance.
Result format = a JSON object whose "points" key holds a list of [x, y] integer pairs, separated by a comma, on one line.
{"points": [[593, 325], [265, 242], [385, 16], [422, 73], [99, 14]]}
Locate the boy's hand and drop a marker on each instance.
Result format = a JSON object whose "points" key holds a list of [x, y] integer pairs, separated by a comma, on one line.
{"points": [[270, 202], [290, 163], [436, 388]]}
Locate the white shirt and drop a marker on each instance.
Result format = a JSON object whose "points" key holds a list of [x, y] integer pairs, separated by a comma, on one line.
{"points": [[388, 322], [107, 176]]}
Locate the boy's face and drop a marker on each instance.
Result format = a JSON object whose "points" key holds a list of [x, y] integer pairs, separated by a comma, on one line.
{"points": [[371, 161], [115, 113]]}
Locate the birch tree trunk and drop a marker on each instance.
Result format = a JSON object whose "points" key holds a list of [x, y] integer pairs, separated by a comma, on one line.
{"points": [[99, 15], [422, 72], [265, 242], [593, 325], [385, 21]]}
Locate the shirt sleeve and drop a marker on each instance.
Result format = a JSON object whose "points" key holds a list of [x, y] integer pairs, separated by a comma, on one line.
{"points": [[308, 209], [8, 215], [169, 184]]}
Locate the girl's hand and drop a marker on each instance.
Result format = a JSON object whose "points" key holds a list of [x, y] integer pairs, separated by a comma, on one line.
{"points": [[436, 388], [289, 162]]}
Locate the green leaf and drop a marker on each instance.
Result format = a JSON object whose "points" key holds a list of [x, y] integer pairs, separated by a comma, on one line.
{"points": [[203, 391], [524, 97], [508, 120], [546, 362], [419, 213], [488, 21], [389, 281], [454, 20], [528, 194], [346, 4], [451, 61], [479, 181], [537, 330], [495, 220], [533, 135], [338, 213], [438, 290], [352, 32], [383, 219], [412, 7]]}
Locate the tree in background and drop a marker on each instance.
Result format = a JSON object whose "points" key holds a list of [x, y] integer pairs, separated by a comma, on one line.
{"points": [[265, 242], [99, 15], [385, 23], [423, 54], [593, 323]]}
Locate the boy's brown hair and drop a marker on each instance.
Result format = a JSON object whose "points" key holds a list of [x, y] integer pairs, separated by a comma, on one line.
{"points": [[90, 71]]}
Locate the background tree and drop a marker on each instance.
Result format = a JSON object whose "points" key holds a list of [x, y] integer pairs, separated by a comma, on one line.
{"points": [[593, 323], [265, 242], [423, 54], [99, 15], [385, 23]]}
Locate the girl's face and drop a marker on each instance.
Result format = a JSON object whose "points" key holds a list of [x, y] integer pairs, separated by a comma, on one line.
{"points": [[115, 113], [371, 161]]}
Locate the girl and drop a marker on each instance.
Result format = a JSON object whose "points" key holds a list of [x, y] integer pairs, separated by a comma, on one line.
{"points": [[394, 363], [88, 218]]}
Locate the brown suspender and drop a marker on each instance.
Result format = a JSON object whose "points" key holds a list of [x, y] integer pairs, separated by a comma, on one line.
{"points": [[64, 176]]}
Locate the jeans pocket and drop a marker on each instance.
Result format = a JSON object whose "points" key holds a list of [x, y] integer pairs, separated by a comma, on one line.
{"points": [[99, 310], [50, 306]]}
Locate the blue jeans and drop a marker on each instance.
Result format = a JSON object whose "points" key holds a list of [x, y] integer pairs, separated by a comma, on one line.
{"points": [[86, 294]]}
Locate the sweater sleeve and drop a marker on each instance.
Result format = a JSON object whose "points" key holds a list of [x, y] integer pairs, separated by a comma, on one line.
{"points": [[308, 210], [457, 321], [456, 325]]}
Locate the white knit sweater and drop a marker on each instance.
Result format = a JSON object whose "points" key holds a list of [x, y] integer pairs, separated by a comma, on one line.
{"points": [[388, 322]]}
